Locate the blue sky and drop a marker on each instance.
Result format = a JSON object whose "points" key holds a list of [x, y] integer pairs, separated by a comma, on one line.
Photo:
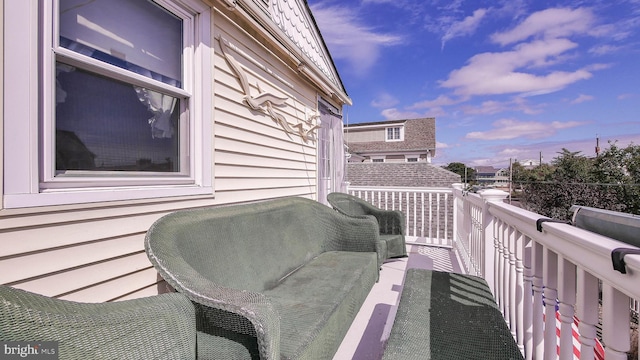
{"points": [[505, 79]]}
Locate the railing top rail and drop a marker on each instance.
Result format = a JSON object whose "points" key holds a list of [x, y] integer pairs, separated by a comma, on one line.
{"points": [[633, 268], [400, 189], [474, 198], [589, 251], [592, 252]]}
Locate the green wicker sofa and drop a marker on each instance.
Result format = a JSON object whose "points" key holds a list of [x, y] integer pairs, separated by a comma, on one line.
{"points": [[280, 279], [391, 222], [156, 327]]}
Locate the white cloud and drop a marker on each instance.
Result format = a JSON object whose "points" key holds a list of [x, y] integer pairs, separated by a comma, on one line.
{"points": [[510, 8], [379, 1], [507, 129], [551, 149], [582, 98], [384, 100], [627, 96], [395, 114], [510, 152], [604, 49], [502, 72], [490, 107], [440, 101], [428, 108], [452, 6], [486, 108], [349, 39], [465, 27], [441, 145], [549, 24]]}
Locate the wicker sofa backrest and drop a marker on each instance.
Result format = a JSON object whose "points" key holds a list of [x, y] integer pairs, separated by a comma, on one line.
{"points": [[248, 247]]}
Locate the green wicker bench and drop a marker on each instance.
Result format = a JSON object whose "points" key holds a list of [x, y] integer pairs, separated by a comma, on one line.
{"points": [[448, 316], [280, 279], [156, 327], [391, 223]]}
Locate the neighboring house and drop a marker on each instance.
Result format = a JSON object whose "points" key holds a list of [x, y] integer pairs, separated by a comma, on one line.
{"points": [[394, 153], [492, 177], [412, 140], [397, 154], [529, 163], [117, 112]]}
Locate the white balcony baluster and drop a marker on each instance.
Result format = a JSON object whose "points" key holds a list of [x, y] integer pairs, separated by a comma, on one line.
{"points": [[513, 289], [587, 312], [538, 304], [615, 323], [566, 306], [534, 272]]}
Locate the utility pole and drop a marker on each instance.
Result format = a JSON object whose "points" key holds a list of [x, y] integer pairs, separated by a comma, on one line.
{"points": [[510, 179], [597, 145], [465, 176]]}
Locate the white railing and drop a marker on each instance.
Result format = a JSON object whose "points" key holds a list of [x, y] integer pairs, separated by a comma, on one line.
{"points": [[538, 270], [428, 211]]}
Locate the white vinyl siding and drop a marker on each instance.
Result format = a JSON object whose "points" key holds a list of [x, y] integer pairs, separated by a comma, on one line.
{"points": [[252, 152], [94, 252], [355, 135]]}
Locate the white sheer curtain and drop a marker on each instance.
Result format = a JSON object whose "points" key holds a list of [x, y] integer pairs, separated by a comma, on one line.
{"points": [[339, 156], [161, 106], [331, 160]]}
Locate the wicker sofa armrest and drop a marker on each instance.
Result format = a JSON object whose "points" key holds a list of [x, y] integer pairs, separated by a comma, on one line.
{"points": [[252, 306], [156, 327], [390, 221], [358, 233]]}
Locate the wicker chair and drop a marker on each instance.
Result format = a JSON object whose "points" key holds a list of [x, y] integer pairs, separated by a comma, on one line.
{"points": [[391, 222], [157, 327]]}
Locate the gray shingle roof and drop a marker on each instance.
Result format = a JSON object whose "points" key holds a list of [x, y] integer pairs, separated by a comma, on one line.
{"points": [[419, 174]]}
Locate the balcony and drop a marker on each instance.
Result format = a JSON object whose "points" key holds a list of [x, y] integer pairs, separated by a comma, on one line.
{"points": [[554, 283]]}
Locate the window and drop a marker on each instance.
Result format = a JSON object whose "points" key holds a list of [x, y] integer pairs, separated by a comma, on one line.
{"points": [[377, 160], [123, 101], [412, 159], [395, 133]]}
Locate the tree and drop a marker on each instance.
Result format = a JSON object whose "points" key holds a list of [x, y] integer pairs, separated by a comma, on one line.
{"points": [[459, 168], [609, 182], [619, 168]]}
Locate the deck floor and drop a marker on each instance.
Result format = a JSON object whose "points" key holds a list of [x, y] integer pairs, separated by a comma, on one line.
{"points": [[370, 330]]}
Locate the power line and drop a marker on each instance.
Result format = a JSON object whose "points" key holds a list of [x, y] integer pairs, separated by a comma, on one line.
{"points": [[575, 183]]}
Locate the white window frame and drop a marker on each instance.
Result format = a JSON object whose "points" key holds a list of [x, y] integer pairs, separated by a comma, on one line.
{"points": [[29, 78], [378, 159], [400, 133]]}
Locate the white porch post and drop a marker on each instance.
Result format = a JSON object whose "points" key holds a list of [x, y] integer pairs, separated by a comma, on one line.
{"points": [[489, 236], [456, 208]]}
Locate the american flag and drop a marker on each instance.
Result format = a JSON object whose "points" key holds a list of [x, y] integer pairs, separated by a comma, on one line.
{"points": [[598, 349]]}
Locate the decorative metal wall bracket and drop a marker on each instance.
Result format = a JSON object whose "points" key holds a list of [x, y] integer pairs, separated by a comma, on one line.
{"points": [[265, 101]]}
